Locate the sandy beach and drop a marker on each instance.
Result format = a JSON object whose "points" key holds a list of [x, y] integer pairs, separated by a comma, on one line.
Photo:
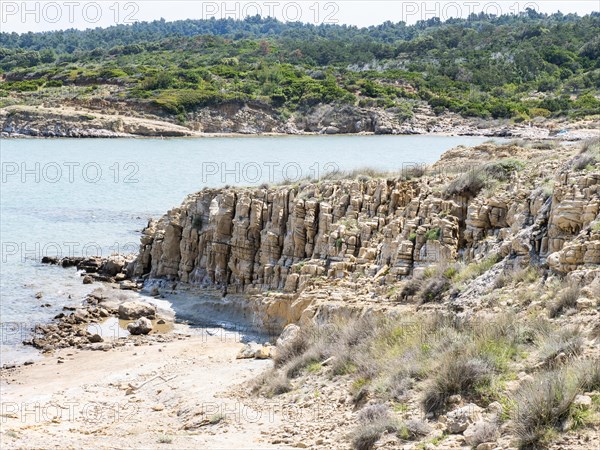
{"points": [[177, 394]]}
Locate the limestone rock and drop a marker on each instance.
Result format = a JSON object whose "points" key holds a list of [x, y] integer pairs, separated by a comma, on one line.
{"points": [[127, 285], [289, 333], [136, 310], [583, 400], [248, 351], [459, 419], [141, 326], [264, 352]]}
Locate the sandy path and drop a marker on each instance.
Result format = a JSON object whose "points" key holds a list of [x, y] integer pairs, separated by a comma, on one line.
{"points": [[88, 401]]}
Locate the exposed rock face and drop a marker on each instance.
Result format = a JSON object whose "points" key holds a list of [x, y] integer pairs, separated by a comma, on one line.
{"points": [[87, 118], [279, 239], [66, 122], [257, 237]]}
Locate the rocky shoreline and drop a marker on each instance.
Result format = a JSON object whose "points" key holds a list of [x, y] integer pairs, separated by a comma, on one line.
{"points": [[115, 314], [20, 121], [136, 321], [277, 260], [501, 259]]}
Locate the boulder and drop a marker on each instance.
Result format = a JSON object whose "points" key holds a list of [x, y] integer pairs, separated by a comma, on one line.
{"points": [[486, 446], [264, 352], [111, 267], [248, 351], [135, 310], [128, 285], [49, 260], [583, 401], [459, 420], [101, 346], [96, 338], [141, 326], [480, 430], [584, 303], [288, 334], [88, 280]]}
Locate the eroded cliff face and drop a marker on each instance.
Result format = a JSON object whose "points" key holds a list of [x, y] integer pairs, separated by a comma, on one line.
{"points": [[89, 118], [283, 238]]}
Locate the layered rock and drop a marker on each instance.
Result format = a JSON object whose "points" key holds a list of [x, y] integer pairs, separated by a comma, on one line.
{"points": [[254, 239]]}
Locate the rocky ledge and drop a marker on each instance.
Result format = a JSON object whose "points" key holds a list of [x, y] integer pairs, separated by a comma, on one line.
{"points": [[522, 205]]}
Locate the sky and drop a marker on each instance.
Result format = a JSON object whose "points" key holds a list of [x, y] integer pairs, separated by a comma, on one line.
{"points": [[23, 16]]}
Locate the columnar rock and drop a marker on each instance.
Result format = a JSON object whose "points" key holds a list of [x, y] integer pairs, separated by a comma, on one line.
{"points": [[279, 238]]}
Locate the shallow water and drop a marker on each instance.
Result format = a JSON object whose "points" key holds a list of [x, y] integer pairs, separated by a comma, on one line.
{"points": [[92, 197]]}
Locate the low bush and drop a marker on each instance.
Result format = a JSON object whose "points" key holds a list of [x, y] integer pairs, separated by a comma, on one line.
{"points": [[582, 161], [413, 429], [588, 374], [373, 413], [541, 405], [374, 421], [411, 288], [558, 346], [566, 299], [433, 289], [457, 373], [473, 181], [433, 234], [590, 145], [470, 184], [476, 269], [271, 383], [365, 437]]}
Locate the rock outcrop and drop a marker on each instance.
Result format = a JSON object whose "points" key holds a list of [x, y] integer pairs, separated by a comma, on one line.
{"points": [[82, 119], [256, 239]]}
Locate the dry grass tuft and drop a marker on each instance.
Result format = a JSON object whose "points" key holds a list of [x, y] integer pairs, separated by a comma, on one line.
{"points": [[557, 347], [457, 373], [566, 299], [542, 405]]}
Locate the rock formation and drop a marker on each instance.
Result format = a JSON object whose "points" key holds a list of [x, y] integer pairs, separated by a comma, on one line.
{"points": [[255, 239]]}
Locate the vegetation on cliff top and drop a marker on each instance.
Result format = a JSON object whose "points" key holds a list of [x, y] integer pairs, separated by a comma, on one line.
{"points": [[518, 67]]}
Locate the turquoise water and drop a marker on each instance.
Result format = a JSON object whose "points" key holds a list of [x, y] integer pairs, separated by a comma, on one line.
{"points": [[87, 197]]}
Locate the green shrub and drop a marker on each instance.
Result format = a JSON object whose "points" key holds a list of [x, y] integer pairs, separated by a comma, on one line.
{"points": [[53, 83], [178, 101], [433, 234]]}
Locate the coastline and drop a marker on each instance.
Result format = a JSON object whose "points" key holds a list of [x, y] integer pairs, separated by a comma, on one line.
{"points": [[137, 397], [526, 134], [187, 386], [25, 122]]}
